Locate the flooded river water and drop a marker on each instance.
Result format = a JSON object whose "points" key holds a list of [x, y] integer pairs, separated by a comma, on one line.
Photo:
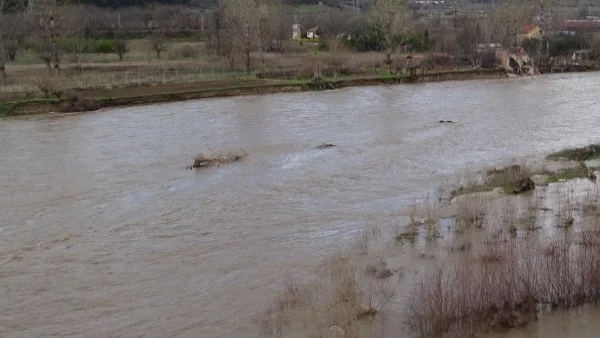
{"points": [[104, 233]]}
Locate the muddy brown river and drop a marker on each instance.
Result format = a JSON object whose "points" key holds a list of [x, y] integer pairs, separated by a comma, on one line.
{"points": [[104, 233]]}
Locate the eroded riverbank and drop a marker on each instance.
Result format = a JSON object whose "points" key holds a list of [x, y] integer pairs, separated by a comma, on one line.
{"points": [[88, 100]]}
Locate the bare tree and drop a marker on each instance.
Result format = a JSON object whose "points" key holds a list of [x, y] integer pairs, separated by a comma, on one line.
{"points": [[444, 35], [53, 20], [121, 47], [506, 20], [241, 20], [8, 43], [247, 26], [79, 46], [390, 18], [468, 38], [268, 21], [159, 43], [544, 7]]}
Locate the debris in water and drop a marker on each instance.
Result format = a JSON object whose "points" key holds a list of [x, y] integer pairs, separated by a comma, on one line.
{"points": [[325, 146], [203, 160]]}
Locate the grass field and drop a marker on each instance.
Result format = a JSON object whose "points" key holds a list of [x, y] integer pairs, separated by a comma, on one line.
{"points": [[183, 62]]}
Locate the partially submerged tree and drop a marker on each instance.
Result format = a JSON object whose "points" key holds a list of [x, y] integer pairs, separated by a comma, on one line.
{"points": [[389, 18]]}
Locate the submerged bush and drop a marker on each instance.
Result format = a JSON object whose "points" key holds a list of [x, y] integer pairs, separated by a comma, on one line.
{"points": [[203, 160]]}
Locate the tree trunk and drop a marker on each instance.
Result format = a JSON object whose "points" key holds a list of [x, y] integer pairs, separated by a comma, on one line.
{"points": [[56, 58], [48, 66], [248, 61], [261, 44], [388, 59], [231, 61], [247, 31], [218, 32], [12, 54], [57, 64]]}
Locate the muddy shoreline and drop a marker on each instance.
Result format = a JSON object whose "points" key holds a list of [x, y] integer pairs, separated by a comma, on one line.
{"points": [[42, 106]]}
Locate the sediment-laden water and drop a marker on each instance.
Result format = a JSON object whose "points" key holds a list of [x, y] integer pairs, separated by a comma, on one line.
{"points": [[104, 233]]}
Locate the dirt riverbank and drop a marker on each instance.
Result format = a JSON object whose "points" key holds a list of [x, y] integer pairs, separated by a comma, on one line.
{"points": [[93, 99]]}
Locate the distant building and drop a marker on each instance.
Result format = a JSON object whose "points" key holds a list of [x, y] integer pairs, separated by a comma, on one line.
{"points": [[312, 33], [573, 27], [296, 32], [483, 47], [530, 31], [584, 54]]}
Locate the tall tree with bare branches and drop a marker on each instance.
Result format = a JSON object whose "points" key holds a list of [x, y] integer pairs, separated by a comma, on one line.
{"points": [[468, 38], [544, 8], [391, 19], [241, 22], [268, 20], [53, 20], [8, 29], [506, 20]]}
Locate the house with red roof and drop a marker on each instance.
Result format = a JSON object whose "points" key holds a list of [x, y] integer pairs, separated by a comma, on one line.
{"points": [[530, 31]]}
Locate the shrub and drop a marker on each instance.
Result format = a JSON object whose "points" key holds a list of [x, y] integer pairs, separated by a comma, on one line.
{"points": [[470, 295], [103, 46], [185, 51], [323, 45], [75, 102], [48, 86], [121, 47], [488, 60]]}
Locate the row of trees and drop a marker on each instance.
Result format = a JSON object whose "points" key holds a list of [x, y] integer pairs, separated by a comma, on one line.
{"points": [[236, 29], [247, 26]]}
